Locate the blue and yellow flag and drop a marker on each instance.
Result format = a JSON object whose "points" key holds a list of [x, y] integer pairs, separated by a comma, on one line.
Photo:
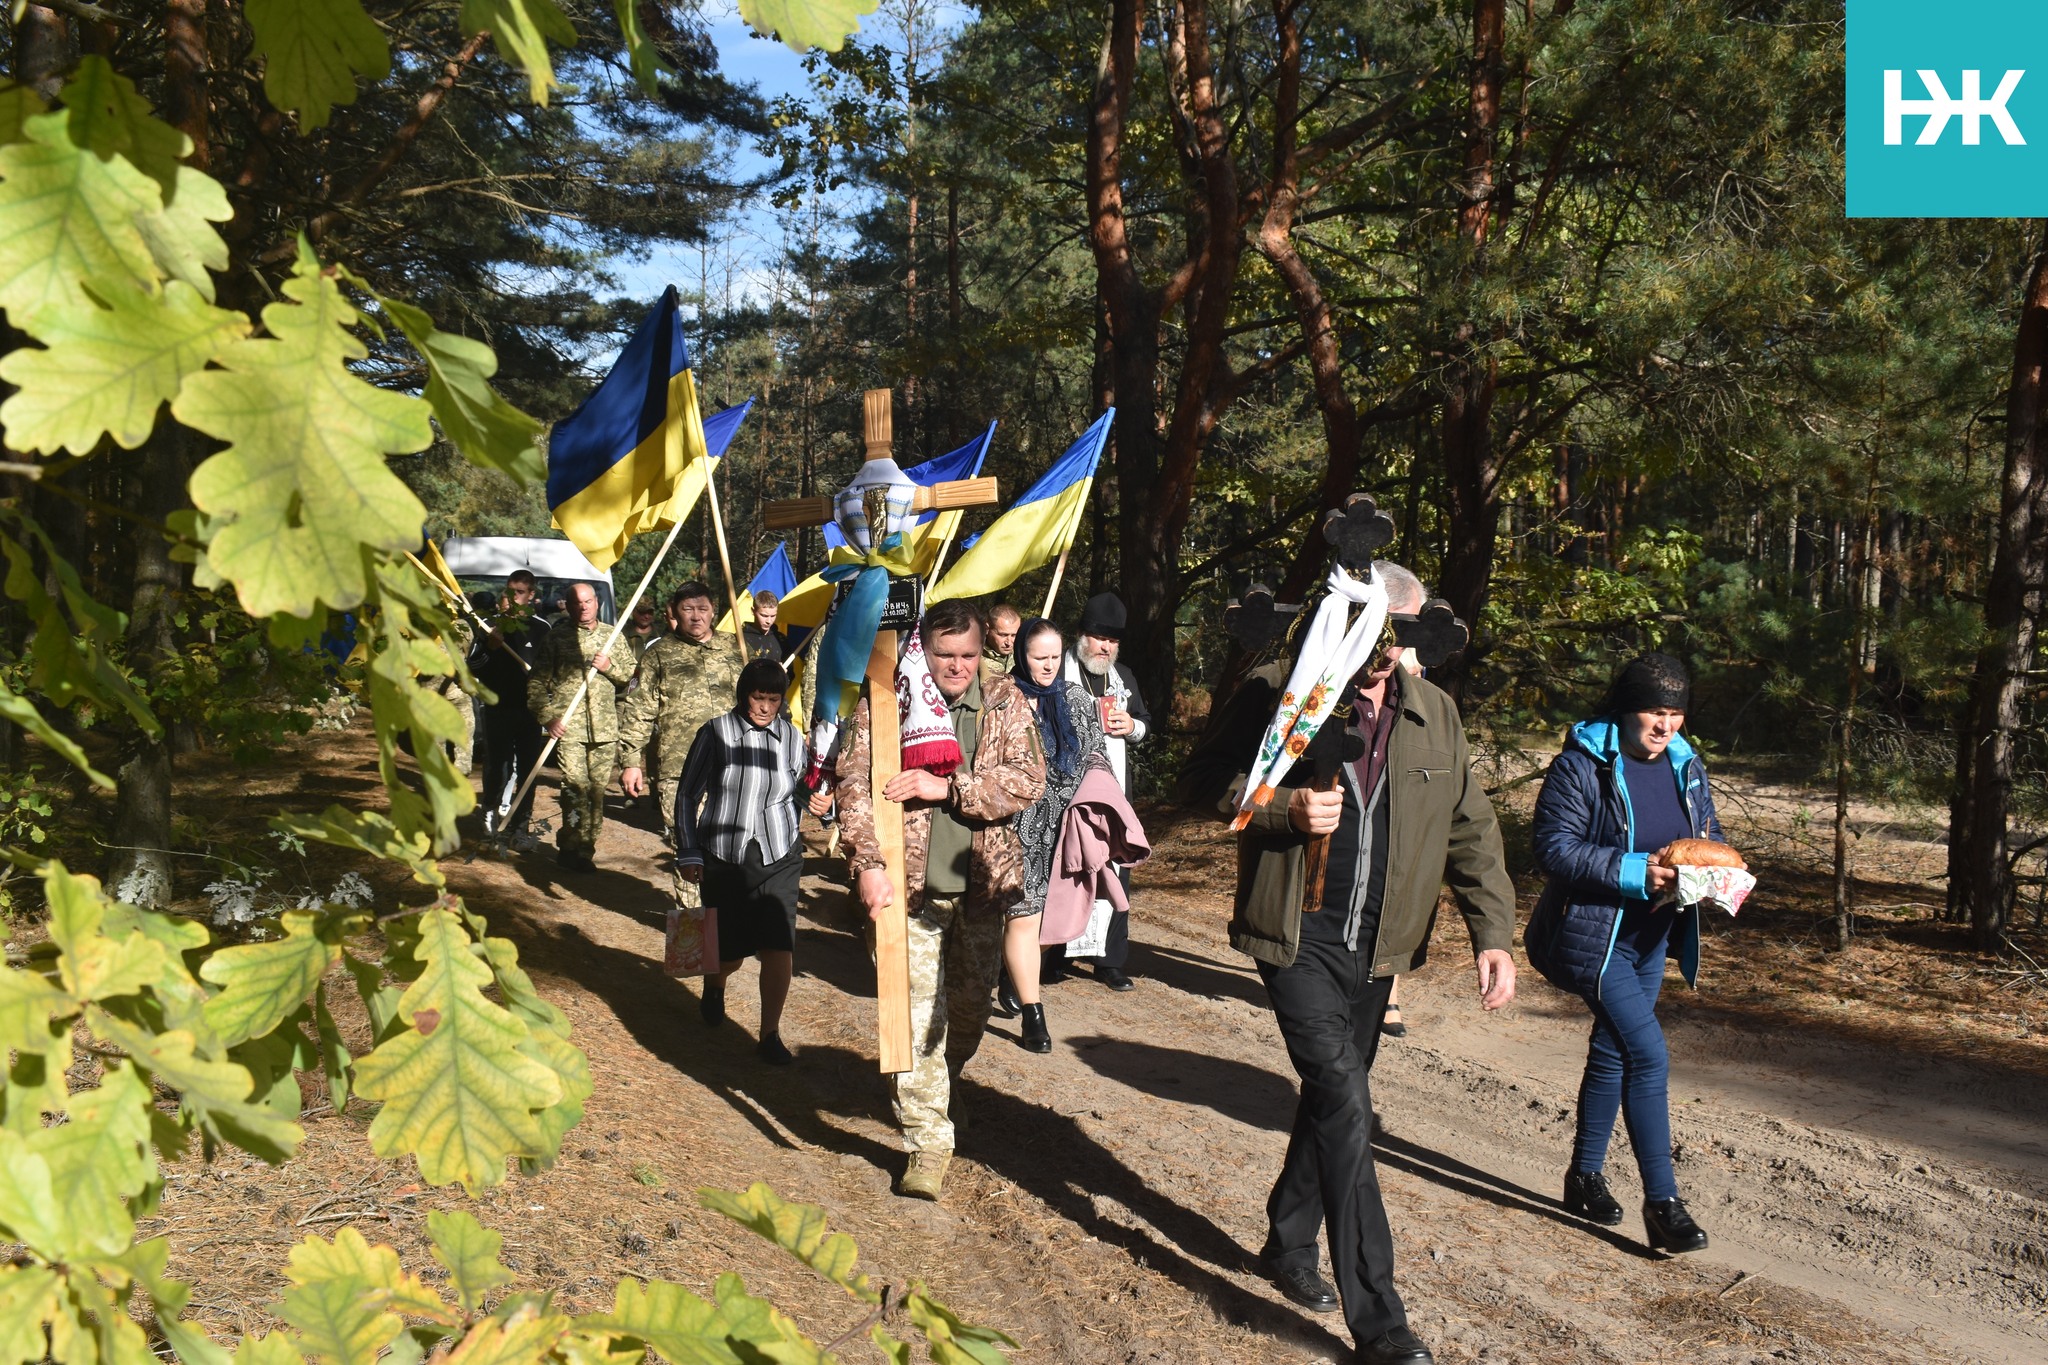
{"points": [[617, 465], [1037, 528]]}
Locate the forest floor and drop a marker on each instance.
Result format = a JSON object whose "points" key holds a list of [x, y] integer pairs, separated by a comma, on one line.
{"points": [[1864, 1134]]}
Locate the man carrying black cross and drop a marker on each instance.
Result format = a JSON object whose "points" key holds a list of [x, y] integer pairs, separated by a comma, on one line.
{"points": [[1329, 965]]}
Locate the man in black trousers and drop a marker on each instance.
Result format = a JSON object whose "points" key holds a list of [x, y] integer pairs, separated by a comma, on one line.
{"points": [[1328, 971], [512, 737]]}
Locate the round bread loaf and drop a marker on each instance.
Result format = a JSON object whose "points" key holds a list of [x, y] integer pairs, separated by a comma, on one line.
{"points": [[1698, 853]]}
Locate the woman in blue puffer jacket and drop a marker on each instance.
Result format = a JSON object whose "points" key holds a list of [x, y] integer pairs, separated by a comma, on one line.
{"points": [[1626, 785]]}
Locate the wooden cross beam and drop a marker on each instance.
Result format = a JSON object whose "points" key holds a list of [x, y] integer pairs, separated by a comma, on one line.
{"points": [[885, 737]]}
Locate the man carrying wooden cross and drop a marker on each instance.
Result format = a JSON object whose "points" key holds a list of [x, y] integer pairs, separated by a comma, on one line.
{"points": [[963, 867]]}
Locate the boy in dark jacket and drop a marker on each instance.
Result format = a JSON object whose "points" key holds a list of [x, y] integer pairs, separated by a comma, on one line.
{"points": [[1406, 819]]}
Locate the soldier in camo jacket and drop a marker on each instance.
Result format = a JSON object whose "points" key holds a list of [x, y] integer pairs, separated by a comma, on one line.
{"points": [[587, 743], [685, 679]]}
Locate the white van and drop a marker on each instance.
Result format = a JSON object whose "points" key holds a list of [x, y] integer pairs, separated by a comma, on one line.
{"points": [[488, 561]]}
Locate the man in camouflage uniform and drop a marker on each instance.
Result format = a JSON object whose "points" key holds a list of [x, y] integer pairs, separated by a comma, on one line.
{"points": [[962, 866], [684, 680], [998, 650], [587, 743]]}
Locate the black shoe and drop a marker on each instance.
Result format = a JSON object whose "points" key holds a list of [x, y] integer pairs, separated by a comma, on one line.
{"points": [[771, 1050], [711, 1008], [1671, 1228], [1304, 1285], [573, 861], [1007, 1003], [1035, 1038], [1054, 974], [1394, 1027], [1398, 1347], [1114, 978], [1586, 1196]]}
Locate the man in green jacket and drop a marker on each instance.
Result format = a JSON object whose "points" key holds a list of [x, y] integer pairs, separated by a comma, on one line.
{"points": [[1407, 818], [587, 742]]}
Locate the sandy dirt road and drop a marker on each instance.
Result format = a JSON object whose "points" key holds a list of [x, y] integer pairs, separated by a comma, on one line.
{"points": [[1869, 1199], [1865, 1202]]}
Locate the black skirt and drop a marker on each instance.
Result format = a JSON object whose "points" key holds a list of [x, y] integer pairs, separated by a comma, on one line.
{"points": [[756, 902]]}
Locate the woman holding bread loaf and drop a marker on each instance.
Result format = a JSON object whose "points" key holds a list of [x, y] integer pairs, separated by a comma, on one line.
{"points": [[1621, 809]]}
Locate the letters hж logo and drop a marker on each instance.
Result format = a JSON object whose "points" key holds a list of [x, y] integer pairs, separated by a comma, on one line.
{"points": [[1969, 109]]}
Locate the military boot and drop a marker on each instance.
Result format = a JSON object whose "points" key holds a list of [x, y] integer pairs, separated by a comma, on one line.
{"points": [[926, 1174]]}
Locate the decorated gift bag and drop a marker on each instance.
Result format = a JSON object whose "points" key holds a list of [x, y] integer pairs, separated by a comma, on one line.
{"points": [[1094, 940], [692, 945]]}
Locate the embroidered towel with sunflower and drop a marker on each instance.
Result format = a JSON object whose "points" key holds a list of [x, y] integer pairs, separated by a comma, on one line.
{"points": [[1332, 649]]}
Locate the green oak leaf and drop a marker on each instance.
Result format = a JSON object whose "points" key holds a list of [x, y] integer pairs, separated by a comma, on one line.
{"points": [[302, 488], [24, 713], [798, 1229], [572, 1071], [71, 216], [27, 1003], [73, 636], [469, 1252], [261, 983], [108, 369], [487, 430], [28, 1204], [18, 104], [28, 1296], [99, 1161], [274, 1348], [216, 1093], [312, 52], [951, 1340], [339, 1322], [94, 965], [106, 115], [675, 1322], [523, 29], [459, 1092], [334, 1054], [92, 1327], [181, 236], [523, 1338], [648, 67], [807, 23]]}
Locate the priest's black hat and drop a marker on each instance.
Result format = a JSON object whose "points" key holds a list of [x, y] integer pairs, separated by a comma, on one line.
{"points": [[1103, 616]]}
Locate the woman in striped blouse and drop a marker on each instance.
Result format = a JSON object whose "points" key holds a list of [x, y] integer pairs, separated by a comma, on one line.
{"points": [[743, 770]]}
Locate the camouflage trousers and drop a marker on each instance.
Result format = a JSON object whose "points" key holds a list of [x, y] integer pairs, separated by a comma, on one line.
{"points": [[954, 954], [665, 789], [586, 774], [465, 746]]}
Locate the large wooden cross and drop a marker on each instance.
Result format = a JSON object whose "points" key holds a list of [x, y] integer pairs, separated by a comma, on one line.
{"points": [[885, 739]]}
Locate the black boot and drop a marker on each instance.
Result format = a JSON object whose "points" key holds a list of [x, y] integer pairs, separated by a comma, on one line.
{"points": [[1035, 1037], [711, 1005], [1587, 1196], [1670, 1226], [1007, 1003]]}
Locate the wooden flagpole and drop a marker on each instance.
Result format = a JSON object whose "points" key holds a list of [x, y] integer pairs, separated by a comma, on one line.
{"points": [[945, 545], [1060, 569], [732, 597], [462, 603]]}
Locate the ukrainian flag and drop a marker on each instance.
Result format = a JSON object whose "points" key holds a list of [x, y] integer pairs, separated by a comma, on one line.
{"points": [[1039, 526], [617, 464], [805, 605]]}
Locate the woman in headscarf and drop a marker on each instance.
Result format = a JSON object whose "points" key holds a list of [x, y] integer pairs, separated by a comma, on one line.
{"points": [[1071, 729], [1626, 785]]}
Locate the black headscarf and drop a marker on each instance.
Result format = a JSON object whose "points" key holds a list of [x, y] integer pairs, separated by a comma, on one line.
{"points": [[1055, 726], [1649, 683]]}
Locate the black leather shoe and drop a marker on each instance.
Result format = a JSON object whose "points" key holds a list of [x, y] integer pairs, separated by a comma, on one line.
{"points": [[773, 1051], [1398, 1347], [1007, 1002], [1035, 1037], [1115, 979], [1304, 1286], [711, 1008], [1586, 1196], [1670, 1227]]}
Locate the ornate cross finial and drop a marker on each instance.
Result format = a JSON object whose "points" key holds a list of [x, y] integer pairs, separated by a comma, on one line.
{"points": [[878, 422], [1358, 530], [1256, 620], [1435, 633]]}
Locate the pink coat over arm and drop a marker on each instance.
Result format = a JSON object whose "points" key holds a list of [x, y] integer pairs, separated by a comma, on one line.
{"points": [[1100, 831]]}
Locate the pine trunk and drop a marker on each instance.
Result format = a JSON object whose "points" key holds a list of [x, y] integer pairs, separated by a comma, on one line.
{"points": [[2013, 600]]}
